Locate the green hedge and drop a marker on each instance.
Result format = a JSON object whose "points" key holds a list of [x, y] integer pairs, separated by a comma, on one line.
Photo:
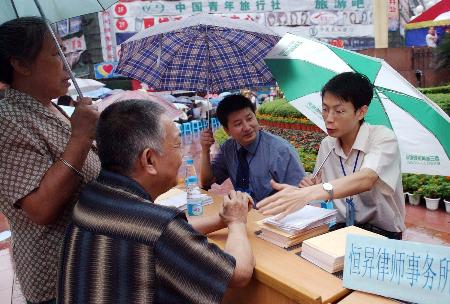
{"points": [[436, 90], [442, 100], [279, 107]]}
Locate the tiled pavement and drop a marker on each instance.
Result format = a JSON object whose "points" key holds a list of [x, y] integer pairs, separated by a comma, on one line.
{"points": [[432, 227]]}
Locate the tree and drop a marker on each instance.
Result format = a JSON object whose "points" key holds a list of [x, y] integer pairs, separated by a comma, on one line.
{"points": [[443, 52]]}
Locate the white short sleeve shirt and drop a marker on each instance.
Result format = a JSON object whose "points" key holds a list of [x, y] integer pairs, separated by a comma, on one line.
{"points": [[384, 205]]}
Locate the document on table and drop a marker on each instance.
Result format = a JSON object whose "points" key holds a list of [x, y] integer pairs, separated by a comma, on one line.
{"points": [[306, 218]]}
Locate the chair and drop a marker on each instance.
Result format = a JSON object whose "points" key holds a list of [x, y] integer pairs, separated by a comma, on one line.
{"points": [[196, 125], [215, 122], [187, 128]]}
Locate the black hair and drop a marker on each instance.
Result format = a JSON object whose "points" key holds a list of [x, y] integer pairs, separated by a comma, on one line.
{"points": [[230, 104], [350, 87], [22, 39], [125, 129], [64, 100]]}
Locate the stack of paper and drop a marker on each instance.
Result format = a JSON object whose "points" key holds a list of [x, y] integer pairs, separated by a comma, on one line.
{"points": [[328, 250], [178, 198], [296, 227], [285, 240], [304, 219]]}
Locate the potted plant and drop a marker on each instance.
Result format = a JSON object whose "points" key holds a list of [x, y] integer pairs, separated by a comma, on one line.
{"points": [[411, 184], [445, 192], [431, 193], [406, 182]]}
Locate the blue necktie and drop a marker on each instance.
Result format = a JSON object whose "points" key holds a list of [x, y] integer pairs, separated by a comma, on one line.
{"points": [[242, 174]]}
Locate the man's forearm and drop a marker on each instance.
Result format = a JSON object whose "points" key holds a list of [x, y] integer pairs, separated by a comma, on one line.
{"points": [[353, 184], [238, 246], [207, 224]]}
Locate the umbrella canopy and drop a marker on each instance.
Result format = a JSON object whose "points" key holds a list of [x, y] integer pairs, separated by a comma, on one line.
{"points": [[169, 97], [201, 53], [99, 93], [184, 100], [172, 111], [55, 10], [86, 85], [438, 14], [303, 66], [196, 97]]}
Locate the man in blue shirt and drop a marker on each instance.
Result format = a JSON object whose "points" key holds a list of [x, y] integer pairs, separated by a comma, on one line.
{"points": [[251, 157]]}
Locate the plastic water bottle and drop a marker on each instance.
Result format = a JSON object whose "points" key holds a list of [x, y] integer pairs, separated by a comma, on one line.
{"points": [[328, 205], [194, 197], [189, 170]]}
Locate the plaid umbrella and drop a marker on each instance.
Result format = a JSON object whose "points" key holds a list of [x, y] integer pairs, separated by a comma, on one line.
{"points": [[201, 53]]}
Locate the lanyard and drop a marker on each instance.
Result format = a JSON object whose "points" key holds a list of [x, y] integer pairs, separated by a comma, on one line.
{"points": [[350, 206], [354, 167]]}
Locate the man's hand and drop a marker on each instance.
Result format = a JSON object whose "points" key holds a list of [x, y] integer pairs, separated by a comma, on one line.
{"points": [[287, 200], [84, 119], [310, 181], [235, 208], [206, 139]]}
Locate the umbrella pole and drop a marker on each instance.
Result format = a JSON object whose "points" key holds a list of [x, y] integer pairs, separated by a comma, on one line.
{"points": [[208, 116], [60, 52]]}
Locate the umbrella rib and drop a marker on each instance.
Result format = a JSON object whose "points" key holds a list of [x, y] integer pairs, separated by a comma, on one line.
{"points": [[262, 37], [101, 5], [14, 8]]}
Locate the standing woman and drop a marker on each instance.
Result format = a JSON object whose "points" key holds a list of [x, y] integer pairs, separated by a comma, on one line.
{"points": [[46, 158]]}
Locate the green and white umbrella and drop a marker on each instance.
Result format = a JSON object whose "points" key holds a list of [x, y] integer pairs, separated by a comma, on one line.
{"points": [[303, 66]]}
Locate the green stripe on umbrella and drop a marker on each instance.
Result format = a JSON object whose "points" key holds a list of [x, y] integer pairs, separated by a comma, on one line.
{"points": [[361, 63]]}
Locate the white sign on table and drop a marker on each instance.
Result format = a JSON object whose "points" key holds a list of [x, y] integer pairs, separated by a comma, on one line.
{"points": [[403, 270]]}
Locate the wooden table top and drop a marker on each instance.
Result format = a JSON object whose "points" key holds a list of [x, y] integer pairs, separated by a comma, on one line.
{"points": [[358, 297], [283, 270]]}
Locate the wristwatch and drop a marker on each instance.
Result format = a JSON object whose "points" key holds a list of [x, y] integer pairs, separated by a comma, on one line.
{"points": [[328, 188]]}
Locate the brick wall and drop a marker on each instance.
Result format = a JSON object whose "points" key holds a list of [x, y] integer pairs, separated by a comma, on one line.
{"points": [[407, 60]]}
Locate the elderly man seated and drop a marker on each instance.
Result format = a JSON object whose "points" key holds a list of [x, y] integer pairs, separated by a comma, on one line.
{"points": [[122, 248]]}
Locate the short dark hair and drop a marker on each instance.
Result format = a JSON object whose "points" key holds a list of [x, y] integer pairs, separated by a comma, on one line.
{"points": [[125, 129], [21, 38], [230, 104], [350, 87]]}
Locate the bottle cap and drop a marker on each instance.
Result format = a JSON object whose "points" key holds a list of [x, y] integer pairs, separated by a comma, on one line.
{"points": [[190, 161]]}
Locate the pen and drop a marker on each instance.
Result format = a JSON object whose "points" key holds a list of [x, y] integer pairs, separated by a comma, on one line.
{"points": [[321, 165]]}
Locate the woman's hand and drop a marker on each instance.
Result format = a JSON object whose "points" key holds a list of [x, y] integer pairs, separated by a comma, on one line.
{"points": [[84, 119]]}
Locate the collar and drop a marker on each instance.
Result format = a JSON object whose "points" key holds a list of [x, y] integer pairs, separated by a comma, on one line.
{"points": [[122, 182], [361, 142], [253, 146]]}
